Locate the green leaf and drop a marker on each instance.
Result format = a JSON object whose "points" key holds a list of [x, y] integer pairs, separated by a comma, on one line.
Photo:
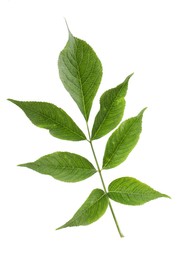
{"points": [[63, 166], [122, 141], [90, 211], [112, 104], [51, 117], [80, 71], [130, 191]]}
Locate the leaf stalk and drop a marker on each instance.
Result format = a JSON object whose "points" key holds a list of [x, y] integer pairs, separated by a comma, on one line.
{"points": [[102, 181]]}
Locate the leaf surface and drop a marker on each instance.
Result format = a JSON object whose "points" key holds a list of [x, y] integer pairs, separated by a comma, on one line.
{"points": [[90, 211], [122, 141], [80, 71], [130, 191], [112, 104], [63, 166], [51, 117]]}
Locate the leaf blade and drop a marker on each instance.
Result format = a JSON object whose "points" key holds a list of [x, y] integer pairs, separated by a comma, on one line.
{"points": [[80, 71], [48, 116], [63, 166], [112, 104], [122, 141], [91, 210], [130, 191]]}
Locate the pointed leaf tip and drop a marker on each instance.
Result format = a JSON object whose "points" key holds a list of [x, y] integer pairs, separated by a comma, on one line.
{"points": [[21, 165], [69, 32], [143, 110], [130, 75], [11, 100]]}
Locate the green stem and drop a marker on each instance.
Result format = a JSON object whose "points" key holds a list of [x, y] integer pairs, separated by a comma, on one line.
{"points": [[103, 184]]}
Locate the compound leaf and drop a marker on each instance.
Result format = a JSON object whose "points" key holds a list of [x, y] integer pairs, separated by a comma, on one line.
{"points": [[80, 71], [130, 191], [51, 117], [122, 141], [63, 166], [112, 104], [90, 211]]}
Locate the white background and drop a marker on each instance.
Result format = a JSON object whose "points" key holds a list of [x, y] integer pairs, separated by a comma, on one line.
{"points": [[144, 37]]}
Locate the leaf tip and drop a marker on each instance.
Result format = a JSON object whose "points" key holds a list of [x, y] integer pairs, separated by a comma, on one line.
{"points": [[166, 196], [130, 75], [16, 102], [128, 78], [21, 165], [61, 227], [142, 111], [57, 228], [69, 32], [24, 165], [11, 100]]}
